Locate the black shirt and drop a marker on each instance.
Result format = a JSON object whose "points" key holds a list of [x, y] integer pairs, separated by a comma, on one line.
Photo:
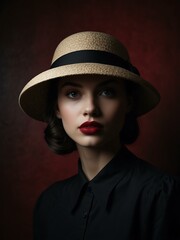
{"points": [[128, 199]]}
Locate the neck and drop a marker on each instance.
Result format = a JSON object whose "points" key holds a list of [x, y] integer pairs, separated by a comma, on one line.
{"points": [[93, 160]]}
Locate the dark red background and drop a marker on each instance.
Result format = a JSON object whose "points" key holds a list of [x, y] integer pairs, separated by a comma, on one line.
{"points": [[29, 33]]}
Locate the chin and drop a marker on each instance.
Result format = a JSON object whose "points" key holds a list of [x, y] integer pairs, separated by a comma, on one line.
{"points": [[89, 141], [92, 143]]}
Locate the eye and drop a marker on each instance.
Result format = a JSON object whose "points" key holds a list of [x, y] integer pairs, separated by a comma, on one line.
{"points": [[73, 94], [109, 92]]}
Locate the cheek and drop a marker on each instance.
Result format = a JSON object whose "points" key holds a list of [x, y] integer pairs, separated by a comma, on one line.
{"points": [[65, 112], [67, 116], [115, 115], [115, 109], [68, 112]]}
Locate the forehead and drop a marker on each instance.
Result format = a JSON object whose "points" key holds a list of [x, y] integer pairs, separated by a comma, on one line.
{"points": [[90, 80]]}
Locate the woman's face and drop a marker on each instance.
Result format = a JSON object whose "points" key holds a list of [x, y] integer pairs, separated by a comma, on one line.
{"points": [[93, 110]]}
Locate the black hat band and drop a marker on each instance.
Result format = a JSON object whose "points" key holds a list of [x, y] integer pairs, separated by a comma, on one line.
{"points": [[94, 56]]}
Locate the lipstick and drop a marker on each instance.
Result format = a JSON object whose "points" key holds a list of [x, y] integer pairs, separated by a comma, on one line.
{"points": [[90, 128]]}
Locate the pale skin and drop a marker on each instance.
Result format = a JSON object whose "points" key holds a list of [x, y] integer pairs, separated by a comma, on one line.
{"points": [[93, 99]]}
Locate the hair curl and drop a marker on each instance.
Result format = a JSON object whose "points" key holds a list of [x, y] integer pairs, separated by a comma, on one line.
{"points": [[58, 140]]}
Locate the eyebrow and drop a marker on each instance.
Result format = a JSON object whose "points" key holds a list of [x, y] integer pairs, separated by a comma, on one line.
{"points": [[108, 82], [73, 84]]}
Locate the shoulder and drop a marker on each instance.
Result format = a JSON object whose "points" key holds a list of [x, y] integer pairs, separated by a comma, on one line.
{"points": [[151, 178], [60, 185], [56, 192], [155, 181]]}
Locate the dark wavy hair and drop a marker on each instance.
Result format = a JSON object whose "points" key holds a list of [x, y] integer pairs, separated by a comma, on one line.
{"points": [[56, 137]]}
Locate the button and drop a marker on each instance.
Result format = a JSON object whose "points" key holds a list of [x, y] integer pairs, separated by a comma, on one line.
{"points": [[89, 189], [85, 214]]}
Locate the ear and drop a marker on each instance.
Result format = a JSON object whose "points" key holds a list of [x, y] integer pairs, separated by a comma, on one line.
{"points": [[130, 103], [57, 111], [58, 115]]}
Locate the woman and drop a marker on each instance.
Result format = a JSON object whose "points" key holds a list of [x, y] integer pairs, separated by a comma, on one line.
{"points": [[90, 99]]}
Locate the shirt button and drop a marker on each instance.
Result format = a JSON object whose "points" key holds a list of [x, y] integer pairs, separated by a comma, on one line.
{"points": [[89, 189], [85, 214]]}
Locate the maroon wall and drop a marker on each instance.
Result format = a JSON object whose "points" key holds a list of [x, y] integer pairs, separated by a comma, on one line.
{"points": [[30, 31]]}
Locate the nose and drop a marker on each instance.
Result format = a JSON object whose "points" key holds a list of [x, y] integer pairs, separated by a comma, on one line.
{"points": [[91, 107]]}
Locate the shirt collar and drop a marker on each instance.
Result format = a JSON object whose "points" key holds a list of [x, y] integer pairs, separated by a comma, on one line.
{"points": [[104, 182]]}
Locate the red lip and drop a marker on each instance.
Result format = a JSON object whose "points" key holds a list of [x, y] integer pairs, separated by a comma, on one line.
{"points": [[91, 124], [90, 128]]}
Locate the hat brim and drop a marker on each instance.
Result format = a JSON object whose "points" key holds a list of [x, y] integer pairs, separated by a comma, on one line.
{"points": [[33, 97]]}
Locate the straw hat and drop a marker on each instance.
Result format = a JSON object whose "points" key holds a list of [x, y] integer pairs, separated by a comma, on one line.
{"points": [[87, 53]]}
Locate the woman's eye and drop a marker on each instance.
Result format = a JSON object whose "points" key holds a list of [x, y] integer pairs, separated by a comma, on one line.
{"points": [[73, 94], [108, 93]]}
